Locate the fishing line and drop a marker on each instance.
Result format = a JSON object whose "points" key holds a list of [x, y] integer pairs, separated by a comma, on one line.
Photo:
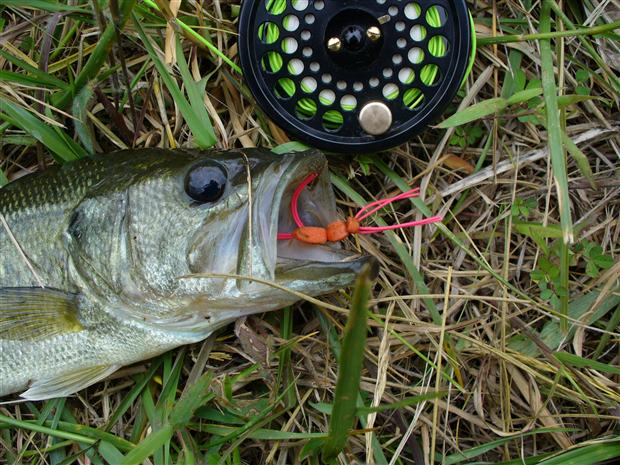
{"points": [[339, 230]]}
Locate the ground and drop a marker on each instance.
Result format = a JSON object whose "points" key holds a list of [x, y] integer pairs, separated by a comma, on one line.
{"points": [[505, 315]]}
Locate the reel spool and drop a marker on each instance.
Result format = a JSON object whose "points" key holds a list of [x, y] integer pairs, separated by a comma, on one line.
{"points": [[355, 75]]}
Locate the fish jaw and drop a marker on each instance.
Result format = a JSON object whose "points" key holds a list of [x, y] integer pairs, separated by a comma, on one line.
{"points": [[309, 269]]}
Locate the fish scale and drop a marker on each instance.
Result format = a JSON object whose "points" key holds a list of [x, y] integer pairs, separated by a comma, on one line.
{"points": [[125, 256]]}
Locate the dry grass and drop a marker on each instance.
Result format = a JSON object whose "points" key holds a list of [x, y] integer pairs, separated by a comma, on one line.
{"points": [[472, 310]]}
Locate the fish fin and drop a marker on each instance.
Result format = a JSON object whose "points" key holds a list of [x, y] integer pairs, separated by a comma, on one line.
{"points": [[34, 313], [67, 383]]}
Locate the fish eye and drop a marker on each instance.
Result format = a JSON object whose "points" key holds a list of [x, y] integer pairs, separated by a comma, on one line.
{"points": [[205, 183]]}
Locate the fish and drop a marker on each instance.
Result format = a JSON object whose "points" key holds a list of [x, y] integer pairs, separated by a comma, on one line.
{"points": [[114, 259]]}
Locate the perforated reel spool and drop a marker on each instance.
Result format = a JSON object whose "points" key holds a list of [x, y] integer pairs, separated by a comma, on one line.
{"points": [[354, 75]]}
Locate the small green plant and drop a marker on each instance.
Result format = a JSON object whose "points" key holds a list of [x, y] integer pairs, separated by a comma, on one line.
{"points": [[582, 77], [594, 257], [465, 137], [547, 274], [523, 207]]}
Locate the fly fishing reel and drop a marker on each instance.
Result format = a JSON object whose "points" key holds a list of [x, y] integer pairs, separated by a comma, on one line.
{"points": [[354, 75]]}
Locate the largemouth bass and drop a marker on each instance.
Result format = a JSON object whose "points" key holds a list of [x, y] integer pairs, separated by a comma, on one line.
{"points": [[114, 259]]}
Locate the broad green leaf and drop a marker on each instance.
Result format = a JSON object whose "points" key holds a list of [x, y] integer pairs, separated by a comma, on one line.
{"points": [[523, 96], [571, 99], [474, 112], [292, 146], [550, 231]]}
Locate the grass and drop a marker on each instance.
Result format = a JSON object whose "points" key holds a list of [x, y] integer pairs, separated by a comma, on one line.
{"points": [[491, 338]]}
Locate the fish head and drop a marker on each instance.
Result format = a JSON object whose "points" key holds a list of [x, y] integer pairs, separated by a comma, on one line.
{"points": [[203, 234]]}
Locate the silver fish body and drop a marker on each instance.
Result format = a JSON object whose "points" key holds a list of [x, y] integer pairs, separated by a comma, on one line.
{"points": [[109, 260]]}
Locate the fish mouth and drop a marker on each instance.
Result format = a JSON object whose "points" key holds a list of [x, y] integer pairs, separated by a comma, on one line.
{"points": [[293, 260]]}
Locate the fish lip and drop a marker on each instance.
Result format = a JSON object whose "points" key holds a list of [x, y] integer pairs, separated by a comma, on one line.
{"points": [[330, 258], [302, 269]]}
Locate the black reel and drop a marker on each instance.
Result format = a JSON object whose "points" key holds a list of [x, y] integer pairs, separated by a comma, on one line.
{"points": [[354, 75]]}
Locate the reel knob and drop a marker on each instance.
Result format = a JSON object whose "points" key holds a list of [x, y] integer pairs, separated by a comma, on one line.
{"points": [[354, 75], [375, 118]]}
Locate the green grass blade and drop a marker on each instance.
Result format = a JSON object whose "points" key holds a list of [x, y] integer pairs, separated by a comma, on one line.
{"points": [[558, 159], [201, 128], [180, 415], [195, 92], [41, 80], [95, 61], [79, 109], [196, 396], [52, 137], [462, 456], [91, 68], [587, 455], [148, 446], [580, 159], [612, 324], [32, 70], [407, 402], [262, 433], [110, 453], [583, 34], [92, 433], [554, 128], [474, 112], [285, 370], [350, 370], [199, 39], [32, 426], [132, 395], [3, 179], [46, 5], [580, 362]]}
